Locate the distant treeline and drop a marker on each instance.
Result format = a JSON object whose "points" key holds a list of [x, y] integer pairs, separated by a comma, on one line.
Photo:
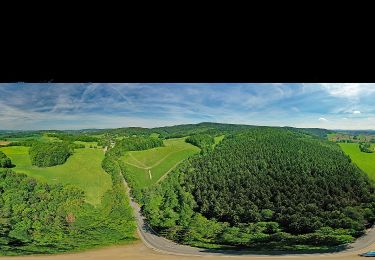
{"points": [[134, 144], [203, 141], [213, 129], [166, 132], [319, 132], [357, 132], [73, 138], [365, 148]]}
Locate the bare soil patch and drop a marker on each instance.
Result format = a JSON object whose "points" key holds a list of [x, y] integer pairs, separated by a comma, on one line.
{"points": [[139, 251], [4, 142]]}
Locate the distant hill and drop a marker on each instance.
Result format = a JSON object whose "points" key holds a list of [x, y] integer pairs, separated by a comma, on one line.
{"points": [[357, 132], [204, 127], [175, 131]]}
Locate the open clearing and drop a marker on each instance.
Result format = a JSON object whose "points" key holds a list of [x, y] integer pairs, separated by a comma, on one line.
{"points": [[365, 161], [82, 169], [149, 166], [4, 142], [217, 140], [88, 144]]}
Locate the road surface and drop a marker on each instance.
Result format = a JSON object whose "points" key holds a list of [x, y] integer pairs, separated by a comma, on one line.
{"points": [[165, 246]]}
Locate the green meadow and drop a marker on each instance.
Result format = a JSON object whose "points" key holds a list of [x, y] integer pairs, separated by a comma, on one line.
{"points": [[82, 169], [149, 166], [365, 161], [218, 139], [88, 144]]}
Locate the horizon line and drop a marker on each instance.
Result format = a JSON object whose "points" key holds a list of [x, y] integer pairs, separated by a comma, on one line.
{"points": [[81, 129]]}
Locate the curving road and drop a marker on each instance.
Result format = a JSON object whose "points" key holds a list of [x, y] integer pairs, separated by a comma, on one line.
{"points": [[165, 246]]}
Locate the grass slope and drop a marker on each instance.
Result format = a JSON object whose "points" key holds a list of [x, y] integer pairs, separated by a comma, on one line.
{"points": [[82, 169], [149, 166], [217, 140], [365, 161], [88, 144]]}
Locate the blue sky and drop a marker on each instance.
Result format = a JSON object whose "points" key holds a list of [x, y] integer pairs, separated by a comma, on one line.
{"points": [[76, 106]]}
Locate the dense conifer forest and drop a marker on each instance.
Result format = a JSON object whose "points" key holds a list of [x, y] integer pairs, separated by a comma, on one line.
{"points": [[264, 186]]}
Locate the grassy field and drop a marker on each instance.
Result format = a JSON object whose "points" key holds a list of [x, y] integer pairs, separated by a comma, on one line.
{"points": [[82, 169], [365, 161], [88, 144], [149, 166], [218, 139]]}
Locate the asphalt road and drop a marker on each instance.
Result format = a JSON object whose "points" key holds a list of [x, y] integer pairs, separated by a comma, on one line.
{"points": [[162, 245]]}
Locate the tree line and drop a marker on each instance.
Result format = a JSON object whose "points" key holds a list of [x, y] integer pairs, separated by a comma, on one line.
{"points": [[72, 138], [203, 141], [365, 148]]}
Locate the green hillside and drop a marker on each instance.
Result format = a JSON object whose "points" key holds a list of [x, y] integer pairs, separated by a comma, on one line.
{"points": [[365, 161], [149, 166], [83, 169]]}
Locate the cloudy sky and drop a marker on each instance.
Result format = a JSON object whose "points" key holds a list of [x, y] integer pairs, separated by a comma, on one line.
{"points": [[77, 106]]}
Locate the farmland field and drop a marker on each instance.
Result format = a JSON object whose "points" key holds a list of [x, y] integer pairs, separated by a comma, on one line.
{"points": [[149, 166], [82, 169], [365, 161]]}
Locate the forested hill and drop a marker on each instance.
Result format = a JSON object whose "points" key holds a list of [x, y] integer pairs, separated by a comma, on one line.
{"points": [[163, 132], [201, 128], [264, 186], [319, 132]]}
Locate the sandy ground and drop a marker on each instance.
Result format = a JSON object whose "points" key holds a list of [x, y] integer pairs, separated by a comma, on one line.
{"points": [[4, 142], [139, 251]]}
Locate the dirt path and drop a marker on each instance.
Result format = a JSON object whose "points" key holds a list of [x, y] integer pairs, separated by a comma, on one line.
{"points": [[165, 174], [138, 251], [145, 167]]}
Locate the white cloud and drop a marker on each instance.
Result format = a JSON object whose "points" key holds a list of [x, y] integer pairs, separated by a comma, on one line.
{"points": [[322, 119], [295, 109], [348, 90], [356, 112]]}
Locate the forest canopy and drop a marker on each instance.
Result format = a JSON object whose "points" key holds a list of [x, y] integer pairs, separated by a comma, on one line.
{"points": [[260, 186], [49, 154], [37, 217], [203, 141]]}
